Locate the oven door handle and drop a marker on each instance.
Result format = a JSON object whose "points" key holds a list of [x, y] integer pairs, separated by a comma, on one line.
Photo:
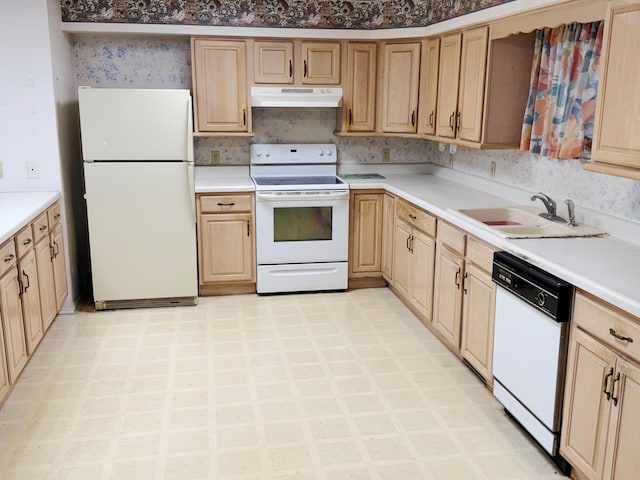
{"points": [[304, 196]]}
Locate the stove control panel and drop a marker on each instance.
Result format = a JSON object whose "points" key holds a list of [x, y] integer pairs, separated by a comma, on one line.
{"points": [[293, 154]]}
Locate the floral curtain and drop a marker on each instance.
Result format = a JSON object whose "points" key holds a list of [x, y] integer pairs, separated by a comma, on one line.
{"points": [[558, 121]]}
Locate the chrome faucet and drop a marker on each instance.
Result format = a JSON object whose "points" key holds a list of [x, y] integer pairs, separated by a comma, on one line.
{"points": [[572, 212], [550, 205]]}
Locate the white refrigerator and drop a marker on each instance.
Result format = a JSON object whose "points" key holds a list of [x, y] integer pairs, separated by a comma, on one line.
{"points": [[137, 148]]}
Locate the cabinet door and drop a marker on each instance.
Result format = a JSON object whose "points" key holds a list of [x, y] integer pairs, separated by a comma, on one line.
{"points": [[320, 63], [478, 314], [429, 86], [624, 427], [615, 139], [423, 250], [388, 226], [220, 77], [361, 86], [366, 253], [12, 324], [273, 62], [59, 266], [226, 248], [401, 258], [448, 296], [473, 66], [448, 81], [28, 275], [400, 76], [46, 282], [590, 370], [4, 372]]}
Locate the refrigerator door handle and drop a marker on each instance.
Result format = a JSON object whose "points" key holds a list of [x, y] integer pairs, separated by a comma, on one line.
{"points": [[189, 131], [191, 189]]}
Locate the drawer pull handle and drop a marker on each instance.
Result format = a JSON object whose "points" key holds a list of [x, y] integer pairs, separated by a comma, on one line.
{"points": [[615, 334], [56, 216], [9, 257], [43, 228], [413, 217], [613, 389], [27, 242], [606, 384], [231, 204]]}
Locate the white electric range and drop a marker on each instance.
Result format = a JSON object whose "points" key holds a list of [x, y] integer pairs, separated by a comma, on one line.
{"points": [[302, 218]]}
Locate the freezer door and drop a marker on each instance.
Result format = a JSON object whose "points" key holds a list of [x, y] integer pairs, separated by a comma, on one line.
{"points": [[135, 124], [142, 230]]}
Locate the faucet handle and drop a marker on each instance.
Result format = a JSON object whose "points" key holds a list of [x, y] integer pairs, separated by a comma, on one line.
{"points": [[572, 212], [549, 199]]}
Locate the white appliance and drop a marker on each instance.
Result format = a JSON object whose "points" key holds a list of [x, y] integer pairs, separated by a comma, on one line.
{"points": [[302, 218], [137, 148], [296, 96], [530, 348]]}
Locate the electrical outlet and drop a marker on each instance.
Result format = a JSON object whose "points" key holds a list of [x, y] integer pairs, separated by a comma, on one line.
{"points": [[32, 170], [493, 169], [441, 147], [215, 157], [386, 154]]}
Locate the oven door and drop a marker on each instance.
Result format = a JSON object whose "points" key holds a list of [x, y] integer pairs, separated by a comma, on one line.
{"points": [[302, 226]]}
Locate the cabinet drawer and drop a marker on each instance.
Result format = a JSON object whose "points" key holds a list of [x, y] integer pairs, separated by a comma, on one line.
{"points": [[7, 256], [604, 321], [53, 214], [453, 237], [24, 241], [226, 203], [40, 227], [480, 253], [416, 217]]}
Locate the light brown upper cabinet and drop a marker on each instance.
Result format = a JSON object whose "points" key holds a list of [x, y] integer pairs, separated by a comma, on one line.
{"points": [[220, 85], [616, 143], [463, 61], [273, 62], [360, 88], [400, 73], [300, 62], [429, 65]]}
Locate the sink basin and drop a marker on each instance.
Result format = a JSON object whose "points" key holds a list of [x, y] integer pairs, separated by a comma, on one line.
{"points": [[522, 222]]}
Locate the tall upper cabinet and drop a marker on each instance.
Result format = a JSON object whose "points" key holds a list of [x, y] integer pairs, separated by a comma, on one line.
{"points": [[220, 86], [616, 143], [429, 65], [360, 88], [400, 72]]}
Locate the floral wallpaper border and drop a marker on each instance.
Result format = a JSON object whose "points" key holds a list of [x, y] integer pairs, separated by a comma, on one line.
{"points": [[340, 14]]}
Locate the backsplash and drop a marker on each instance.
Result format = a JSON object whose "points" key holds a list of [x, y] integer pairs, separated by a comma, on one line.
{"points": [[560, 179], [354, 14], [164, 62]]}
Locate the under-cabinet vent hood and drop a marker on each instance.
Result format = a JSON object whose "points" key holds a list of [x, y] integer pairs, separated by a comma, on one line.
{"points": [[296, 96]]}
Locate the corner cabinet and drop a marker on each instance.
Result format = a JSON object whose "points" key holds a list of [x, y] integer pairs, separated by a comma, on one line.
{"points": [[365, 238], [616, 143], [600, 434], [226, 246], [220, 85], [400, 74]]}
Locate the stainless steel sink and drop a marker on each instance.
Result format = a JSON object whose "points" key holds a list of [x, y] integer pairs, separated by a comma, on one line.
{"points": [[522, 222]]}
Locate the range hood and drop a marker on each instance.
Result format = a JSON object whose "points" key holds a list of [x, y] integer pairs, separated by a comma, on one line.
{"points": [[296, 96]]}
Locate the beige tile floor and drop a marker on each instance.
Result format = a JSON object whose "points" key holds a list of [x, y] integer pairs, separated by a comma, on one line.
{"points": [[316, 386]]}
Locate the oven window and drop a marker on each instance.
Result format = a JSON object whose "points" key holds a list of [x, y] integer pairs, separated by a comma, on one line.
{"points": [[301, 224]]}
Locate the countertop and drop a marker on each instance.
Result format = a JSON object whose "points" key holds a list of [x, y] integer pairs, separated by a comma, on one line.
{"points": [[19, 208], [607, 267]]}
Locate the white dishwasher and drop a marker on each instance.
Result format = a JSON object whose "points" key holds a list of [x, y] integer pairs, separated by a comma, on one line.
{"points": [[530, 348]]}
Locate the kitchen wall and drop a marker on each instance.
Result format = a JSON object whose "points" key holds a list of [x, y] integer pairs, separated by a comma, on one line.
{"points": [[164, 62]]}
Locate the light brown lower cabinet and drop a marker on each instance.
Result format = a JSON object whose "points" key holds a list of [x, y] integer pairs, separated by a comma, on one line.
{"points": [[226, 243], [59, 266], [5, 386], [388, 227], [28, 275], [365, 257], [413, 258], [48, 299], [13, 323], [601, 419]]}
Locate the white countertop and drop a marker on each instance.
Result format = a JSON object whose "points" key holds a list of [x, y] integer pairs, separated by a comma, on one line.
{"points": [[606, 267], [223, 179], [19, 208]]}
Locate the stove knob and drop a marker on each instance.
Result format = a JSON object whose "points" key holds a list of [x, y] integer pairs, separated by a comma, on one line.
{"points": [[329, 153], [540, 298], [320, 152], [267, 154]]}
